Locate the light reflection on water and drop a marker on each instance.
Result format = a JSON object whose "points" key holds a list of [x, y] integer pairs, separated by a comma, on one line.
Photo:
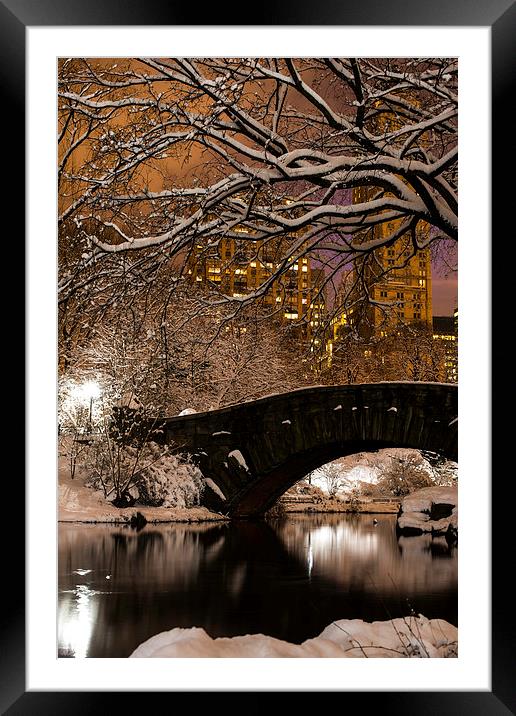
{"points": [[76, 619], [288, 579], [355, 550]]}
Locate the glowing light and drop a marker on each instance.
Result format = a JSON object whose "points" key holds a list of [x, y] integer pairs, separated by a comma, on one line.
{"points": [[86, 391], [77, 616], [80, 398]]}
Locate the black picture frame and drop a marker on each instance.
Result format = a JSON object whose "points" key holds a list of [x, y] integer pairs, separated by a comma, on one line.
{"points": [[499, 15]]}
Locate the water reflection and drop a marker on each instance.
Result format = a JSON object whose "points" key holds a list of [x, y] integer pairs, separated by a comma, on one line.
{"points": [[288, 579], [77, 614], [359, 551]]}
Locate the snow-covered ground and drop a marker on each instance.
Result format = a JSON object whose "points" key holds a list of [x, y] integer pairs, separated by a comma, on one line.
{"points": [[407, 637]]}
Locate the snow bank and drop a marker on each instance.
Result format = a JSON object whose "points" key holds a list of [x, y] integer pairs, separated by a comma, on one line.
{"points": [[408, 637]]}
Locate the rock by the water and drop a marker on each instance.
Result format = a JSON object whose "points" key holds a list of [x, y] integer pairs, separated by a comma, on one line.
{"points": [[138, 521], [431, 509]]}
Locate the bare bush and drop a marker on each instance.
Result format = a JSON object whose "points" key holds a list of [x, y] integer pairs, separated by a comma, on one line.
{"points": [[405, 474]]}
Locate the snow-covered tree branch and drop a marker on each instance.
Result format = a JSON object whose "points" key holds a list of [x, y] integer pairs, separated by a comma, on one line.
{"points": [[160, 155]]}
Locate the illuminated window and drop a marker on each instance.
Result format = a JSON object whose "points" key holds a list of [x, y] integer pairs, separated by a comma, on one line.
{"points": [[278, 299], [291, 316], [304, 300], [198, 278], [304, 269]]}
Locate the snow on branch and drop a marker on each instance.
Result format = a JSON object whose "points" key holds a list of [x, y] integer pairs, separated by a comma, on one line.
{"points": [[159, 154]]}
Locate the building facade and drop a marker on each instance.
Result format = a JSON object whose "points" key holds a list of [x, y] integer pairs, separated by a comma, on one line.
{"points": [[240, 268], [445, 331], [398, 280]]}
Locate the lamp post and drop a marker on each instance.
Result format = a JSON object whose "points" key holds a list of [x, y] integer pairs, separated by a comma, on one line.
{"points": [[91, 413], [90, 391]]}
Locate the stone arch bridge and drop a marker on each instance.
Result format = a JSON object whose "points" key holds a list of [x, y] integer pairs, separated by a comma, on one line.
{"points": [[251, 453]]}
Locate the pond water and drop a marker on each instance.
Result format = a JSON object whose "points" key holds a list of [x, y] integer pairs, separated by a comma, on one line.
{"points": [[288, 579]]}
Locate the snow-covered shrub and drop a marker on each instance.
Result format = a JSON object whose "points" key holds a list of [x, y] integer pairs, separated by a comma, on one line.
{"points": [[169, 480], [146, 473], [446, 474], [405, 474], [332, 476], [354, 499]]}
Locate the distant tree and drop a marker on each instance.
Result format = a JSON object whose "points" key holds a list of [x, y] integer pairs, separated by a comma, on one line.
{"points": [[169, 362], [354, 498], [411, 353], [332, 477], [350, 361], [404, 475], [407, 352]]}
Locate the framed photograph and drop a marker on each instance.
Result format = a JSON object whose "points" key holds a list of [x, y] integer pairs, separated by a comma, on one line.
{"points": [[87, 49]]}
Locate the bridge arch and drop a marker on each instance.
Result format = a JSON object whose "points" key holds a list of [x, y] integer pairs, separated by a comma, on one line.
{"points": [[252, 452]]}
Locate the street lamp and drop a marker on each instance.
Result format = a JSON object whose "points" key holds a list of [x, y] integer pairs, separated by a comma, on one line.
{"points": [[85, 393]]}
